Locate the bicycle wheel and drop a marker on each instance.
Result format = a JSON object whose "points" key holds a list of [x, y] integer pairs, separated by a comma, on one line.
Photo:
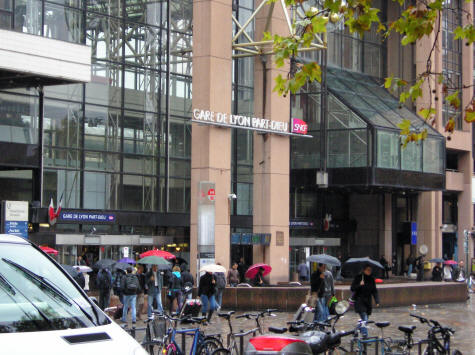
{"points": [[207, 347], [221, 351]]}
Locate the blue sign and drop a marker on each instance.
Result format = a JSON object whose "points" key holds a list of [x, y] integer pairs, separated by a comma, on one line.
{"points": [[246, 238], [17, 228], [236, 238], [87, 217], [413, 233]]}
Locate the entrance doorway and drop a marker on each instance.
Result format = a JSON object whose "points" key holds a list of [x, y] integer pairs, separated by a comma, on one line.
{"points": [[449, 242]]}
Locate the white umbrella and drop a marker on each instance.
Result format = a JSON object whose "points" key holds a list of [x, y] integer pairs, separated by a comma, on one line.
{"points": [[83, 268], [213, 268]]}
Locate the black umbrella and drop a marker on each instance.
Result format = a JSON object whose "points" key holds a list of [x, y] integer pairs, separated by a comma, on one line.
{"points": [[324, 259], [104, 263], [180, 261], [71, 270], [121, 266], [437, 260], [354, 265]]}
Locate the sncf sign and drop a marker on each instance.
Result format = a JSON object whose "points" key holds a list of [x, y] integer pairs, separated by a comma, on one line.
{"points": [[299, 126]]}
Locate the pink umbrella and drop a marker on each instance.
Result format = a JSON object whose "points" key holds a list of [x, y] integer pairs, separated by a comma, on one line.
{"points": [[161, 253], [252, 271], [450, 262], [49, 250]]}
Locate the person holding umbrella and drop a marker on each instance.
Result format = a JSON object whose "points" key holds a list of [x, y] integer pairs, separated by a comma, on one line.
{"points": [[437, 272], [364, 288], [104, 284], [258, 280], [154, 283], [319, 294], [206, 291]]}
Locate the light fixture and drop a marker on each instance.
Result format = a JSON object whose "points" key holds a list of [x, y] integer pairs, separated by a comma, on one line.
{"points": [[44, 225]]}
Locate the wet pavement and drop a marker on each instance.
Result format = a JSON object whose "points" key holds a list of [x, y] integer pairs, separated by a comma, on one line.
{"points": [[460, 316]]}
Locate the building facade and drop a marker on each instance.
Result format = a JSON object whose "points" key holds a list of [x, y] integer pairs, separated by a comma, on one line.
{"points": [[118, 146]]}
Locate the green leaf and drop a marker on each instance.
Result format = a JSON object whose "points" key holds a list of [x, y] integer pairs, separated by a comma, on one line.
{"points": [[427, 113], [319, 24], [453, 99], [469, 116], [405, 126], [389, 82]]}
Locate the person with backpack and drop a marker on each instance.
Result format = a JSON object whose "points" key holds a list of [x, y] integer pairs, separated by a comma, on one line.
{"points": [[104, 285], [154, 282], [220, 286], [175, 286], [117, 282], [130, 286], [188, 282], [206, 291]]}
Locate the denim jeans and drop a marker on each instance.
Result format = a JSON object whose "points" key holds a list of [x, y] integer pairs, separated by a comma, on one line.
{"points": [[130, 301], [219, 296], [364, 317], [409, 270], [207, 301], [322, 310], [154, 293]]}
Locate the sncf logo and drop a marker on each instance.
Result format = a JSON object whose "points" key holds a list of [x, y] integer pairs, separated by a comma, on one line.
{"points": [[299, 126]]}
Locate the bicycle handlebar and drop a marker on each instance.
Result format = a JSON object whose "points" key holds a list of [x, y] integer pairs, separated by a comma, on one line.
{"points": [[434, 324]]}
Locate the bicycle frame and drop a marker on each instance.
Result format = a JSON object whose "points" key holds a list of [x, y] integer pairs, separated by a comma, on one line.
{"points": [[196, 338]]}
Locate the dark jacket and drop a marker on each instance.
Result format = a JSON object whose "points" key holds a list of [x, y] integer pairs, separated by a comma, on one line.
{"points": [[207, 287], [256, 281], [242, 271], [187, 278], [437, 273], [79, 278], [317, 284], [124, 283], [362, 294], [151, 283]]}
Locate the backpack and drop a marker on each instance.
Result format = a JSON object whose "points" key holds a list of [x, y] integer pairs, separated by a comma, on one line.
{"points": [[117, 280], [104, 280], [131, 284], [220, 280]]}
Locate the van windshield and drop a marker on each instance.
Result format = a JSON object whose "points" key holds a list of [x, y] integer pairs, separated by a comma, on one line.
{"points": [[36, 296]]}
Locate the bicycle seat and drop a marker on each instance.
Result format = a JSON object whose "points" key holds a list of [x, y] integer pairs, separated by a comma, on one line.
{"points": [[297, 328], [277, 330], [382, 324], [226, 315], [408, 329], [198, 319]]}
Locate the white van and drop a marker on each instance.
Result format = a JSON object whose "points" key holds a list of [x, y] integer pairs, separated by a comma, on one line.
{"points": [[42, 311]]}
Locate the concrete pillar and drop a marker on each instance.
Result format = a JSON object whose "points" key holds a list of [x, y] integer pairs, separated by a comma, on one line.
{"points": [[211, 146], [429, 221], [271, 158], [386, 236]]}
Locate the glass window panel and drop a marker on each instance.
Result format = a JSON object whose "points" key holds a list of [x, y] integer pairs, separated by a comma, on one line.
{"points": [[141, 89], [142, 46], [180, 168], [71, 92], [66, 183], [339, 149], [28, 16], [411, 157], [68, 158], [5, 20], [102, 128], [6, 5], [105, 85], [140, 133], [180, 95], [433, 155], [179, 195], [63, 23], [108, 7], [244, 143], [62, 124], [104, 36], [244, 199], [137, 164], [101, 190], [19, 119], [388, 149], [102, 161], [358, 148], [148, 12], [139, 192], [179, 139], [70, 3], [244, 173], [305, 152]]}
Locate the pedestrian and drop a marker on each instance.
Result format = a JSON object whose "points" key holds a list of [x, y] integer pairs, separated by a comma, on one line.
{"points": [[385, 265], [175, 286], [233, 275], [143, 290], [471, 282], [242, 270], [188, 282], [459, 272], [86, 282], [410, 264], [220, 278], [329, 289], [364, 288], [258, 279], [420, 268], [437, 272], [317, 292], [117, 284], [303, 271], [130, 286], [79, 278], [154, 284], [447, 273], [104, 285], [206, 291], [80, 261]]}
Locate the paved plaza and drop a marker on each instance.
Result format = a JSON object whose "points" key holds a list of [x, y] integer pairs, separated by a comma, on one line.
{"points": [[460, 316]]}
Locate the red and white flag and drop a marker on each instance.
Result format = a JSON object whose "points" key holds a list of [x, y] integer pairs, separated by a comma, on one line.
{"points": [[52, 214]]}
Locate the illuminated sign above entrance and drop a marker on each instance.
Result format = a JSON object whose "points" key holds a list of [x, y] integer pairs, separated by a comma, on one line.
{"points": [[245, 122]]}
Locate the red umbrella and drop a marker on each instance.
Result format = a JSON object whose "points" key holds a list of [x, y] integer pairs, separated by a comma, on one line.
{"points": [[252, 271], [49, 250], [378, 281], [450, 262], [161, 253]]}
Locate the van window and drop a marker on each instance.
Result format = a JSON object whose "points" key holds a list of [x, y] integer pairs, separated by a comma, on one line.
{"points": [[36, 296]]}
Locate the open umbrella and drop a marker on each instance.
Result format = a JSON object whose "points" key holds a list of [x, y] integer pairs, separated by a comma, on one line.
{"points": [[71, 270], [437, 260], [127, 261], [121, 266], [213, 268], [324, 259], [355, 265], [450, 262], [83, 268], [160, 253], [49, 250], [252, 271], [181, 260], [153, 260], [103, 263]]}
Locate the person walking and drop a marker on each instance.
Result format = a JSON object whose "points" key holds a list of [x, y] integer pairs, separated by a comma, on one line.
{"points": [[143, 290], [154, 284], [303, 271], [79, 278], [188, 282], [130, 286], [385, 264], [175, 285], [329, 290], [437, 272], [364, 288], [104, 285], [206, 291], [317, 292], [242, 270], [220, 287], [410, 261], [117, 284], [233, 275]]}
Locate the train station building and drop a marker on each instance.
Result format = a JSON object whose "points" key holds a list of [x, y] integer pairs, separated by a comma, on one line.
{"points": [[155, 125]]}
